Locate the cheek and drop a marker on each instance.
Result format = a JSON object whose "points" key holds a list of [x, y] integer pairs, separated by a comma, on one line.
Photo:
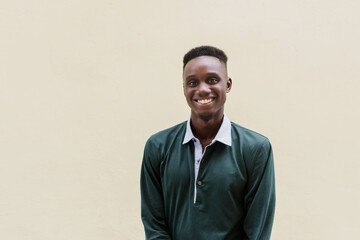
{"points": [[223, 95], [188, 92], [187, 95]]}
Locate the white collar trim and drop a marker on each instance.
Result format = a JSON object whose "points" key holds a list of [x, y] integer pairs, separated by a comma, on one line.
{"points": [[223, 135]]}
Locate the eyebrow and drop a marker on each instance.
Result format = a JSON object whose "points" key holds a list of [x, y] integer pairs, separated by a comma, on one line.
{"points": [[208, 74], [190, 76]]}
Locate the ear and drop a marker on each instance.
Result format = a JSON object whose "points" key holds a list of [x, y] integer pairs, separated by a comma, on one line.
{"points": [[228, 85], [183, 85]]}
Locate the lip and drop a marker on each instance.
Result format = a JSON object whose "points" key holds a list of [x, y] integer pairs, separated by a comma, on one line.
{"points": [[204, 101]]}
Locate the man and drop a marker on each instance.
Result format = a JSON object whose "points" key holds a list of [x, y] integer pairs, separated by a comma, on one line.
{"points": [[207, 178]]}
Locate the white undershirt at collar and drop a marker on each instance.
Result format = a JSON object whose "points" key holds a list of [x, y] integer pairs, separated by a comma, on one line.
{"points": [[223, 135]]}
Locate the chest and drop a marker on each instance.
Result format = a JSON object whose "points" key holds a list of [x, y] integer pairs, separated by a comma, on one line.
{"points": [[221, 171]]}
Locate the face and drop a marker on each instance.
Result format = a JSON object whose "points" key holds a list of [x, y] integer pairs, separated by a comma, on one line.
{"points": [[206, 83]]}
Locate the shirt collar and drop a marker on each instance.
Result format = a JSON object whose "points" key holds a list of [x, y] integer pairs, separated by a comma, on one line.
{"points": [[223, 135]]}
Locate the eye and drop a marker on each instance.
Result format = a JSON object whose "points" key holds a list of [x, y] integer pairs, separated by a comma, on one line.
{"points": [[192, 83], [213, 80]]}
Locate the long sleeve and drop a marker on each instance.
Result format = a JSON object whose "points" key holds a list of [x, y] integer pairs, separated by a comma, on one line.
{"points": [[152, 202], [260, 195]]}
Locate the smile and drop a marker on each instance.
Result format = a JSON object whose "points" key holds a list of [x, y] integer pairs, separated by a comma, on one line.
{"points": [[205, 101]]}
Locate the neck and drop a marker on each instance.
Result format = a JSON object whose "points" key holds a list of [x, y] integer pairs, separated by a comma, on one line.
{"points": [[206, 128]]}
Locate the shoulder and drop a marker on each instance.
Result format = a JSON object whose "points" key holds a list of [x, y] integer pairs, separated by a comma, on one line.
{"points": [[255, 149], [160, 144], [249, 141], [169, 135], [247, 135]]}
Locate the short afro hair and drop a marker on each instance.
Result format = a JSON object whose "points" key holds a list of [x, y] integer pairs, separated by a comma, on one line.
{"points": [[204, 51]]}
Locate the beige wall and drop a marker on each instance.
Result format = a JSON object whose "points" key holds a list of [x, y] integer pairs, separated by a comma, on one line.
{"points": [[83, 84]]}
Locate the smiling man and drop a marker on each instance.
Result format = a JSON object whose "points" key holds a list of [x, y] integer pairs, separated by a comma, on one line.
{"points": [[207, 178]]}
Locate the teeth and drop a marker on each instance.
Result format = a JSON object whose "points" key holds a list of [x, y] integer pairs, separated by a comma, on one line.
{"points": [[202, 101]]}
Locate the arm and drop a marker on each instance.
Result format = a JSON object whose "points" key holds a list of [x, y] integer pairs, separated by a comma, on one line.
{"points": [[260, 196], [152, 202]]}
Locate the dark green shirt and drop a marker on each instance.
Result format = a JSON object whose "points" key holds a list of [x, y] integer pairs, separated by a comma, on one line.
{"points": [[235, 189]]}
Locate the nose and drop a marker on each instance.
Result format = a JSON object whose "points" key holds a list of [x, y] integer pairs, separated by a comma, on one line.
{"points": [[203, 89]]}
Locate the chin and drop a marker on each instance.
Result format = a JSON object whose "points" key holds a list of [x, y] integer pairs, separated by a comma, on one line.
{"points": [[205, 116]]}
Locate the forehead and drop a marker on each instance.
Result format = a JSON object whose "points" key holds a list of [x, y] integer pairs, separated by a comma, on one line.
{"points": [[204, 64]]}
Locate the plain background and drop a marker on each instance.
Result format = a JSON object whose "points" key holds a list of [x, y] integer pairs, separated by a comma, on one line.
{"points": [[83, 84]]}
